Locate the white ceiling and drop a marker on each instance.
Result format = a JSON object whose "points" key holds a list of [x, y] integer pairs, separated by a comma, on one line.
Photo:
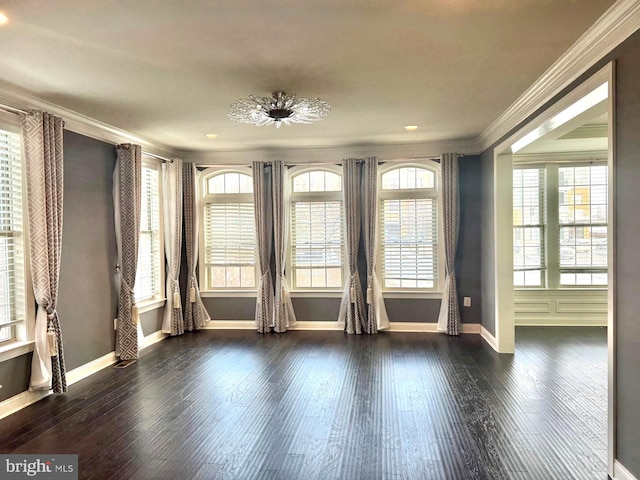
{"points": [[168, 70]]}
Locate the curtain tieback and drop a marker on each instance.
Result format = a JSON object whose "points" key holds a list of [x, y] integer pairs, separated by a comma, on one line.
{"points": [[369, 289], [261, 284], [192, 289], [176, 302], [52, 336], [284, 297], [135, 315], [352, 289]]}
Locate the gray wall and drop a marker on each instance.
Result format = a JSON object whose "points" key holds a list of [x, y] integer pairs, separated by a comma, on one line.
{"points": [[14, 376], [627, 182], [400, 310], [87, 298]]}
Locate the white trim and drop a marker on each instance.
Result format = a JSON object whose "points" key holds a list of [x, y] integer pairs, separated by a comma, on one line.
{"points": [[15, 349], [228, 293], [230, 325], [154, 337], [489, 338], [609, 31], [315, 294], [83, 371], [76, 122], [20, 401], [621, 473], [559, 157], [148, 305], [418, 295], [564, 322]]}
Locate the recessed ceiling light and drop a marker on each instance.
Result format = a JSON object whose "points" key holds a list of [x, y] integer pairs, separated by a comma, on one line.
{"points": [[210, 135], [3, 18], [410, 128]]}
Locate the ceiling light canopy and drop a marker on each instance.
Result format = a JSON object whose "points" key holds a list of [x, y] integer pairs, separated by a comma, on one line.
{"points": [[3, 18], [280, 108]]}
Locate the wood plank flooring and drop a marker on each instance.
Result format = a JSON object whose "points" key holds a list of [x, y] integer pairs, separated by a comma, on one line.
{"points": [[323, 405]]}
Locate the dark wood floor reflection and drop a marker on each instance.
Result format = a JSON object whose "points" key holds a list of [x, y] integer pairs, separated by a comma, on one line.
{"points": [[321, 405]]}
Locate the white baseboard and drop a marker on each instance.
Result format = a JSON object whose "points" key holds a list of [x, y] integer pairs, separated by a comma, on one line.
{"points": [[24, 399], [473, 328], [154, 337], [83, 371], [621, 473], [539, 322], [489, 338]]}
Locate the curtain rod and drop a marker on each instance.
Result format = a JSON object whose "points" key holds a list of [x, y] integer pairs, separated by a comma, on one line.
{"points": [[10, 109], [153, 155], [293, 164]]}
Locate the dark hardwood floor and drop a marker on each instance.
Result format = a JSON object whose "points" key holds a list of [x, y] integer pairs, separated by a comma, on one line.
{"points": [[323, 405]]}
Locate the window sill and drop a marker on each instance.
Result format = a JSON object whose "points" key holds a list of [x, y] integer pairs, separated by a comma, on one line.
{"points": [[229, 294], [15, 349], [148, 305], [413, 295], [316, 293]]}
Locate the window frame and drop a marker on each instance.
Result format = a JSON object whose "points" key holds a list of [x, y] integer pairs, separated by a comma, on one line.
{"points": [[436, 193], [159, 299], [290, 198], [551, 237], [203, 198], [21, 340]]}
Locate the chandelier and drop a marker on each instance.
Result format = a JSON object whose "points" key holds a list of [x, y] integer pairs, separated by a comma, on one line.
{"points": [[280, 108]]}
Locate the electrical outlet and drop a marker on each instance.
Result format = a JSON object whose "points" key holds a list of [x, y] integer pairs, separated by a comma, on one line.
{"points": [[467, 301]]}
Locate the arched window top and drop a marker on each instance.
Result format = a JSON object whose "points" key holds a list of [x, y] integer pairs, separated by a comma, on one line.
{"points": [[221, 183], [316, 180], [408, 178]]}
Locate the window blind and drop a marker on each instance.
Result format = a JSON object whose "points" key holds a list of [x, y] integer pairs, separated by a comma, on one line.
{"points": [[409, 233], [11, 241], [230, 245], [148, 281], [316, 241]]}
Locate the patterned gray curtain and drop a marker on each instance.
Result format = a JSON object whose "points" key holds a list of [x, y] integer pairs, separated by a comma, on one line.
{"points": [[173, 322], [127, 196], [43, 153], [449, 318], [195, 314], [352, 311], [376, 311], [284, 315], [262, 210]]}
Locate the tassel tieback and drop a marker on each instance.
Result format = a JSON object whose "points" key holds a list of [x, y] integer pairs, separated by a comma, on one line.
{"points": [[52, 343]]}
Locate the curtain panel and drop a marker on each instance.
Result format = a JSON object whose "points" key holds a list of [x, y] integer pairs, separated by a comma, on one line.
{"points": [[127, 198], [44, 162], [264, 233], [173, 321], [195, 314], [352, 311], [283, 316], [377, 318], [449, 317]]}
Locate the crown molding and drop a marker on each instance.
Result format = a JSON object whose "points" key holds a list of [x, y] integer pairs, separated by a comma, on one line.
{"points": [[15, 97], [302, 155], [614, 27], [559, 157], [587, 131]]}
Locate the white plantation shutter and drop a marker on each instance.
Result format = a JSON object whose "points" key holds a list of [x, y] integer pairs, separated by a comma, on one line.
{"points": [[316, 241], [529, 227], [230, 253], [11, 234], [409, 228], [148, 274], [409, 243]]}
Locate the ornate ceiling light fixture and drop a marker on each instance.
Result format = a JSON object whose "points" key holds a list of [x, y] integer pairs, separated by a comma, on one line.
{"points": [[280, 108]]}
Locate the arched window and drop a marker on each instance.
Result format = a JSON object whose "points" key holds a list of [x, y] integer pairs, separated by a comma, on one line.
{"points": [[228, 253], [408, 196], [317, 244]]}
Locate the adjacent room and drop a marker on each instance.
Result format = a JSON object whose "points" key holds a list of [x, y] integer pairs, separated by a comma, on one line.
{"points": [[302, 240]]}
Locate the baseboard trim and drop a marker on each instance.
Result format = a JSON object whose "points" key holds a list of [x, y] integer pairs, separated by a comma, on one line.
{"points": [[535, 322], [24, 399], [489, 338], [621, 473], [473, 328]]}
